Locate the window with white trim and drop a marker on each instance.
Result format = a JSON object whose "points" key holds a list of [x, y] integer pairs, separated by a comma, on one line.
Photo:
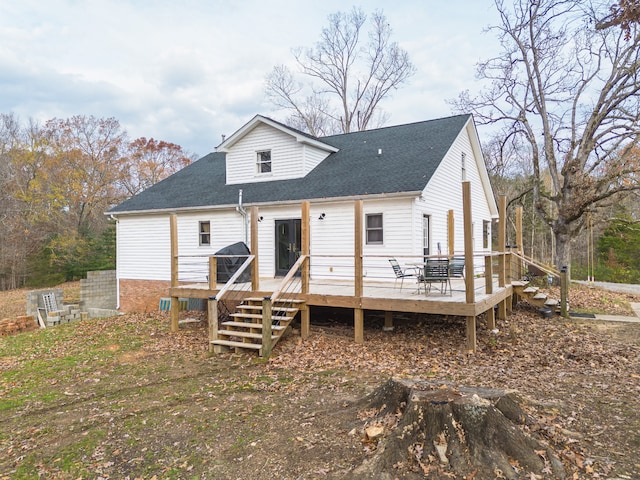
{"points": [[205, 233], [374, 230], [486, 234], [263, 159]]}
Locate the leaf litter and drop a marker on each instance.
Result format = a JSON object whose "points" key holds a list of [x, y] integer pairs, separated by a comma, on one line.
{"points": [[126, 398]]}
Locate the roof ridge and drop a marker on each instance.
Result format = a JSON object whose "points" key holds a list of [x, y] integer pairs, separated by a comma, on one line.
{"points": [[450, 117]]}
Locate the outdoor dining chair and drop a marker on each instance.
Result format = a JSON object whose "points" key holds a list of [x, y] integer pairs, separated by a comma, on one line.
{"points": [[401, 273], [436, 270]]}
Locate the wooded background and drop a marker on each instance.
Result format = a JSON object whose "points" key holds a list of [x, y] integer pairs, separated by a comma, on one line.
{"points": [[56, 182], [563, 97]]}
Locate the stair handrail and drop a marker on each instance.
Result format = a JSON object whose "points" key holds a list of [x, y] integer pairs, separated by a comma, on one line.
{"points": [[288, 277], [530, 261], [227, 286]]}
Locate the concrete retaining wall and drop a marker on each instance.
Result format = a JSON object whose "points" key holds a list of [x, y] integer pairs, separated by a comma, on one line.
{"points": [[99, 291], [34, 300]]}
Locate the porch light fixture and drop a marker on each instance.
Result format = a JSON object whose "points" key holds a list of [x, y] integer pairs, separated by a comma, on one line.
{"points": [[260, 218], [321, 217]]}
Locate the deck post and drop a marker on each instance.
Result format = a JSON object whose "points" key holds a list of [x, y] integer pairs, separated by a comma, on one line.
{"points": [[305, 240], [488, 274], [488, 287], [175, 314], [305, 322], [502, 309], [255, 267], [519, 242], [305, 313], [471, 334], [357, 240], [388, 322], [358, 324], [502, 234], [468, 243], [564, 292], [267, 344], [212, 316], [213, 272], [491, 318], [175, 305], [358, 313], [451, 234]]}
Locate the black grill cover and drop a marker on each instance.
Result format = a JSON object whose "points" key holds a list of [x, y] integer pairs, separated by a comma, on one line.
{"points": [[228, 266]]}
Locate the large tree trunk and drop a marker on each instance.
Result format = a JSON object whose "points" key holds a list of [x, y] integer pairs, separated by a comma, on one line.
{"points": [[562, 257], [437, 430]]}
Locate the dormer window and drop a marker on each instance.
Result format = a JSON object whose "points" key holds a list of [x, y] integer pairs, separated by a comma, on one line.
{"points": [[264, 161]]}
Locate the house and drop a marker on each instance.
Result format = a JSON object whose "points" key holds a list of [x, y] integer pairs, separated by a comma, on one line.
{"points": [[408, 177]]}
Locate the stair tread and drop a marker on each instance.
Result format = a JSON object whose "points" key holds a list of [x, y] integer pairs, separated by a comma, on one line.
{"points": [[290, 300], [259, 315], [236, 333], [519, 283], [540, 296], [259, 307], [230, 343], [530, 290], [552, 302], [251, 325]]}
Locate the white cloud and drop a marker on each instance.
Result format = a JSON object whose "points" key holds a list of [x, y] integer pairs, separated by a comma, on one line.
{"points": [[188, 72]]}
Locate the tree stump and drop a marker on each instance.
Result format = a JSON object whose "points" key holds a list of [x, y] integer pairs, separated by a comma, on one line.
{"points": [[438, 430]]}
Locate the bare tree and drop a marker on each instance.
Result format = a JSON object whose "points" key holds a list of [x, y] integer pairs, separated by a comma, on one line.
{"points": [[349, 76], [570, 92]]}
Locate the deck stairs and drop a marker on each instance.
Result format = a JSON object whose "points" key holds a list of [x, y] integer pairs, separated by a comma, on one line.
{"points": [[534, 296], [242, 331]]}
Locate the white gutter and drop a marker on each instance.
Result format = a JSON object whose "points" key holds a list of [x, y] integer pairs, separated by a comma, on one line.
{"points": [[240, 209], [313, 201]]}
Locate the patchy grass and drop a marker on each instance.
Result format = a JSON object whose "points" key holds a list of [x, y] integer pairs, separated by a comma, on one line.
{"points": [[125, 398]]}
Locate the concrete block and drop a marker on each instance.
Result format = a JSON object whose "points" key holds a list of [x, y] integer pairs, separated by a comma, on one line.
{"points": [[52, 321]]}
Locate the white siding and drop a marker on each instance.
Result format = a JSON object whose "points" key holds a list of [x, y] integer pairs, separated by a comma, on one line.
{"points": [[312, 157], [332, 237], [444, 192], [227, 227], [289, 159], [144, 248]]}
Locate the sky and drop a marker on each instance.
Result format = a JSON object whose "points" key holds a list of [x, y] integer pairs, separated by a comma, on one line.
{"points": [[188, 72]]}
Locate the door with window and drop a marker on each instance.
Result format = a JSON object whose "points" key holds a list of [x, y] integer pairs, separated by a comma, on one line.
{"points": [[288, 244]]}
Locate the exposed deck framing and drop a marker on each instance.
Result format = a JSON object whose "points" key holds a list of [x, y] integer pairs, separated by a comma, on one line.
{"points": [[477, 293]]}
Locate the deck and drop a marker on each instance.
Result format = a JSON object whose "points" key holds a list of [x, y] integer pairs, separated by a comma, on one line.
{"points": [[485, 286], [376, 295]]}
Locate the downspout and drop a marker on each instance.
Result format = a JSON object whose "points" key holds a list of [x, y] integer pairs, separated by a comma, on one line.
{"points": [[115, 219], [240, 209]]}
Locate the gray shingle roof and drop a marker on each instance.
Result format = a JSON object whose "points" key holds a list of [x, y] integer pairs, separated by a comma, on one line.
{"points": [[410, 155]]}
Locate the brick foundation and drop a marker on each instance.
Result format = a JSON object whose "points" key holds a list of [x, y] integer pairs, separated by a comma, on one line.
{"points": [[10, 326], [142, 295]]}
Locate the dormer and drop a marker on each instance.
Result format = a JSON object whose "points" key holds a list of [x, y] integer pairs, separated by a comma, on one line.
{"points": [[264, 150]]}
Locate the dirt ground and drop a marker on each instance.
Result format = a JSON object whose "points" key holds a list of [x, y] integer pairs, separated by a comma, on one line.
{"points": [[123, 398]]}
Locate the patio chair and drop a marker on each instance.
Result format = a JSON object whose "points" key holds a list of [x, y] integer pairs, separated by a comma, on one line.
{"points": [[436, 270], [456, 267], [400, 273]]}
